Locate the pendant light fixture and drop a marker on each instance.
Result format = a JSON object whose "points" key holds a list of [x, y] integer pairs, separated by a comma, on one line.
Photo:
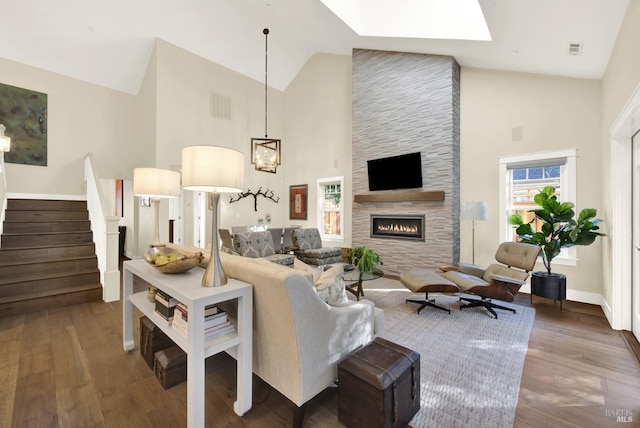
{"points": [[265, 152]]}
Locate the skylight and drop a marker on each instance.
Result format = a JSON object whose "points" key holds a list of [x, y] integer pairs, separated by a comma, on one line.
{"points": [[422, 19]]}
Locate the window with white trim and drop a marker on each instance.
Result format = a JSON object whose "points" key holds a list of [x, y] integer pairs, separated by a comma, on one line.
{"points": [[523, 176], [331, 208]]}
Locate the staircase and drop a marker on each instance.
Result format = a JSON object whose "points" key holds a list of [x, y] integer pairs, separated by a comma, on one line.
{"points": [[47, 256]]}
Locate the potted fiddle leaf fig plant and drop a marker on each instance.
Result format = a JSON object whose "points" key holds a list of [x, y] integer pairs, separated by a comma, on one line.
{"points": [[560, 229]]}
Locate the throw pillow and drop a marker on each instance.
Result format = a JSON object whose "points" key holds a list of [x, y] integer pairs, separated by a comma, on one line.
{"points": [[330, 287]]}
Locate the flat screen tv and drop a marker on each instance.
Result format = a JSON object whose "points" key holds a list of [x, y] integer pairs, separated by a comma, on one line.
{"points": [[396, 172]]}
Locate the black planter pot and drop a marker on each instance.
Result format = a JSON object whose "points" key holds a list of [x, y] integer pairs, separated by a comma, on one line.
{"points": [[549, 285]]}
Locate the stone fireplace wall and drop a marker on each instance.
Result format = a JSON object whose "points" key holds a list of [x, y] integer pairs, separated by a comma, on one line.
{"points": [[403, 103]]}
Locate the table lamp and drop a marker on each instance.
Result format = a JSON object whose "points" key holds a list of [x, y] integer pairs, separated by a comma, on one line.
{"points": [[5, 142], [155, 184], [216, 170], [474, 211]]}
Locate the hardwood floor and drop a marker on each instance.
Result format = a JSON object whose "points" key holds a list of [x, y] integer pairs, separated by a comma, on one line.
{"points": [[66, 367], [578, 372]]}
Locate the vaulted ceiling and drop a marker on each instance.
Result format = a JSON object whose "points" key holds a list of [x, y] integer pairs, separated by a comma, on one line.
{"points": [[109, 43]]}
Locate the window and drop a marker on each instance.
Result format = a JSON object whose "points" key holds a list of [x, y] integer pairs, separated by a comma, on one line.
{"points": [[330, 207], [523, 176]]}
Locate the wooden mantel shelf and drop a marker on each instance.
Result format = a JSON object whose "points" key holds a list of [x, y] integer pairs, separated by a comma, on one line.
{"points": [[408, 196]]}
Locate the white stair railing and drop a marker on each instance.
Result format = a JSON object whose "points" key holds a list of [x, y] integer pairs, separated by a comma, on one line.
{"points": [[105, 233]]}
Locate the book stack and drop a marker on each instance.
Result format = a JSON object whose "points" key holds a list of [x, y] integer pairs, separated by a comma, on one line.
{"points": [[215, 321], [165, 306]]}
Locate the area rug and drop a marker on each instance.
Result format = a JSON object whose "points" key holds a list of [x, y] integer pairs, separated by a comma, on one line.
{"points": [[470, 363]]}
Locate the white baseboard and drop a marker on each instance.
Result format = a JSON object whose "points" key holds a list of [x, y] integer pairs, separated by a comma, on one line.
{"points": [[582, 297], [575, 295], [585, 297], [608, 312]]}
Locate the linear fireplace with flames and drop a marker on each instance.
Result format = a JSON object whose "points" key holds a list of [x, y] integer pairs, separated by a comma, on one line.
{"points": [[397, 227]]}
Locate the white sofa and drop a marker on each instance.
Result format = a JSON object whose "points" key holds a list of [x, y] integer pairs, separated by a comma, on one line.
{"points": [[297, 338]]}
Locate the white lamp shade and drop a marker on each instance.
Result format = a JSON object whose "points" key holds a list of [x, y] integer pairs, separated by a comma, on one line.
{"points": [[156, 183], [212, 169], [474, 211]]}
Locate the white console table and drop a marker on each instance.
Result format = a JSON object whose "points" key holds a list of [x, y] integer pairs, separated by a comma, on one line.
{"points": [[186, 288]]}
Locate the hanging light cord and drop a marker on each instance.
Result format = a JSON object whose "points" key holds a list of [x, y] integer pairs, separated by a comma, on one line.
{"points": [[266, 34]]}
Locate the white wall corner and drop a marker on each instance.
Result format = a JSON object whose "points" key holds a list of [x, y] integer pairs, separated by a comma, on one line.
{"points": [[608, 312]]}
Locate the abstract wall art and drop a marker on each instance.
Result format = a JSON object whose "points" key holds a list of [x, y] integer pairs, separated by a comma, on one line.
{"points": [[24, 113]]}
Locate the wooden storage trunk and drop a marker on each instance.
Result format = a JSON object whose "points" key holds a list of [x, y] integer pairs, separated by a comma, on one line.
{"points": [[152, 340], [170, 366], [379, 386]]}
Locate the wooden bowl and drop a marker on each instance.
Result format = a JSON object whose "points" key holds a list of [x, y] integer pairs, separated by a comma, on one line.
{"points": [[183, 263]]}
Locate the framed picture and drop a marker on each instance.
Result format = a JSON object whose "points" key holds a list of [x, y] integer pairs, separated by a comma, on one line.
{"points": [[145, 202], [298, 202]]}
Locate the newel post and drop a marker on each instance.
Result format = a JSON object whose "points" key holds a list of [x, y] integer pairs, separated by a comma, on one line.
{"points": [[111, 286]]}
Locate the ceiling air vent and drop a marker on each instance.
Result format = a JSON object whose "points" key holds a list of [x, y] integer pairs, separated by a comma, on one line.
{"points": [[575, 48]]}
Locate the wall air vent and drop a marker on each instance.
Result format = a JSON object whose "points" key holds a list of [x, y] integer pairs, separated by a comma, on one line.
{"points": [[220, 106], [575, 48]]}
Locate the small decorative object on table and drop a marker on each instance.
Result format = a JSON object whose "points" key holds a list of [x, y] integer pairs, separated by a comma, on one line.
{"points": [[364, 259], [366, 262], [151, 293], [168, 260]]}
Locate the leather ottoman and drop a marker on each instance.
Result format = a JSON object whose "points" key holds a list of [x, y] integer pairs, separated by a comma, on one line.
{"points": [[425, 281]]}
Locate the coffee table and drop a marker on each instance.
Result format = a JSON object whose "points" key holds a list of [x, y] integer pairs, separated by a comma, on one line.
{"points": [[355, 277]]}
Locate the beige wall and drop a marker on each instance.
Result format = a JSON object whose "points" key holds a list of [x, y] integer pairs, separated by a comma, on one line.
{"points": [[82, 118], [621, 79], [183, 118], [554, 113], [318, 131], [140, 224]]}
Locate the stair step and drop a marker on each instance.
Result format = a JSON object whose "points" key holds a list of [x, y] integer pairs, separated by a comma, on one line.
{"points": [[45, 215], [65, 265], [21, 240], [47, 256], [44, 253], [46, 226], [46, 283], [45, 205], [50, 300]]}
